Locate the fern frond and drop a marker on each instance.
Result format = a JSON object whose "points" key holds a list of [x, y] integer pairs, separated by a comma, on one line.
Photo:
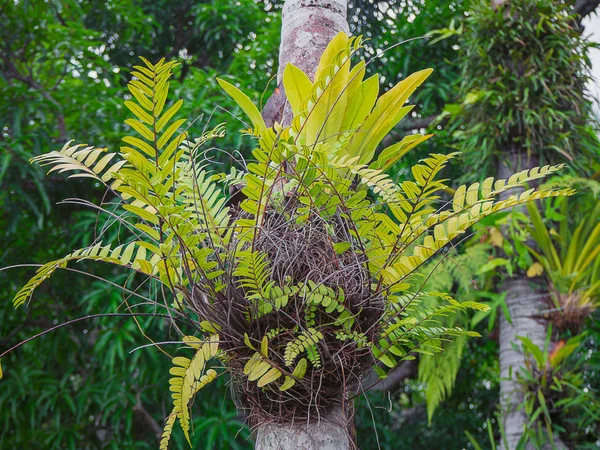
{"points": [[414, 327], [189, 378], [476, 193], [321, 295], [86, 162], [133, 256], [260, 368], [439, 373], [168, 429], [253, 272], [305, 341]]}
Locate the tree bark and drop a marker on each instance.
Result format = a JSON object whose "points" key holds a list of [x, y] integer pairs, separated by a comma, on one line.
{"points": [[306, 29], [522, 301], [328, 433], [525, 304]]}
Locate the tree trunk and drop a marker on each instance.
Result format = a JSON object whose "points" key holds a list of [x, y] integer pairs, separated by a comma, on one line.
{"points": [[525, 304], [306, 29], [328, 433], [523, 301]]}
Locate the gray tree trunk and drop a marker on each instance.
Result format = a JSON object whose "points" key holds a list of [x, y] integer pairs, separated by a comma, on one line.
{"points": [[328, 433], [306, 29], [525, 304]]}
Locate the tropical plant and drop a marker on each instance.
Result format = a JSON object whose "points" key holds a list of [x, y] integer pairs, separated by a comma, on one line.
{"points": [[523, 102], [557, 392], [525, 67], [570, 258], [307, 280], [456, 274]]}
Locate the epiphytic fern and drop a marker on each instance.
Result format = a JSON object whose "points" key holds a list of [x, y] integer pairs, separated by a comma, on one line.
{"points": [[189, 377], [310, 272], [87, 162], [305, 341], [131, 256]]}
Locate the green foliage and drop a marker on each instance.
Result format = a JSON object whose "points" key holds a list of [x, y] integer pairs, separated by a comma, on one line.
{"points": [[451, 273], [439, 374], [555, 390], [474, 398], [189, 376], [186, 239], [570, 257], [558, 391], [537, 102]]}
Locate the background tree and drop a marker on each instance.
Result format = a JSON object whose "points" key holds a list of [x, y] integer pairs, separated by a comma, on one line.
{"points": [[527, 106]]}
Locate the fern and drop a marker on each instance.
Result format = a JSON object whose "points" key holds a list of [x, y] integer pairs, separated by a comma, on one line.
{"points": [[439, 373], [309, 180], [188, 379], [253, 274], [168, 429], [87, 162], [304, 342], [132, 256]]}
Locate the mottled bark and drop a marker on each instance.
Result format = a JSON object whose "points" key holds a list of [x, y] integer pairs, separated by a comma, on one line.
{"points": [[523, 302], [327, 433], [306, 29]]}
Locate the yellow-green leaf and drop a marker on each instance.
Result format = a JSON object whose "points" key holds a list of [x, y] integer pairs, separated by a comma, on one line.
{"points": [[269, 377], [361, 103], [264, 347], [247, 341], [142, 213], [288, 383], [259, 370], [138, 143], [169, 113], [169, 132], [246, 104], [390, 155], [140, 128], [536, 269], [300, 369], [297, 87], [139, 112], [193, 341]]}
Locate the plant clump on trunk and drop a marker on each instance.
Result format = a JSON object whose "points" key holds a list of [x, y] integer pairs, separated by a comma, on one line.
{"points": [[309, 282]]}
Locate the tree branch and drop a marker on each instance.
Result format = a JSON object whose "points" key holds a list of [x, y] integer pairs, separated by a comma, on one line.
{"points": [[13, 72], [415, 124], [404, 370], [145, 418], [585, 7]]}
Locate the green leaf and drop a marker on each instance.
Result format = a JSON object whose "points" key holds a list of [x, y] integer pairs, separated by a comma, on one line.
{"points": [[269, 377], [168, 115], [297, 87], [139, 112], [392, 154], [341, 247], [246, 104], [264, 347]]}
